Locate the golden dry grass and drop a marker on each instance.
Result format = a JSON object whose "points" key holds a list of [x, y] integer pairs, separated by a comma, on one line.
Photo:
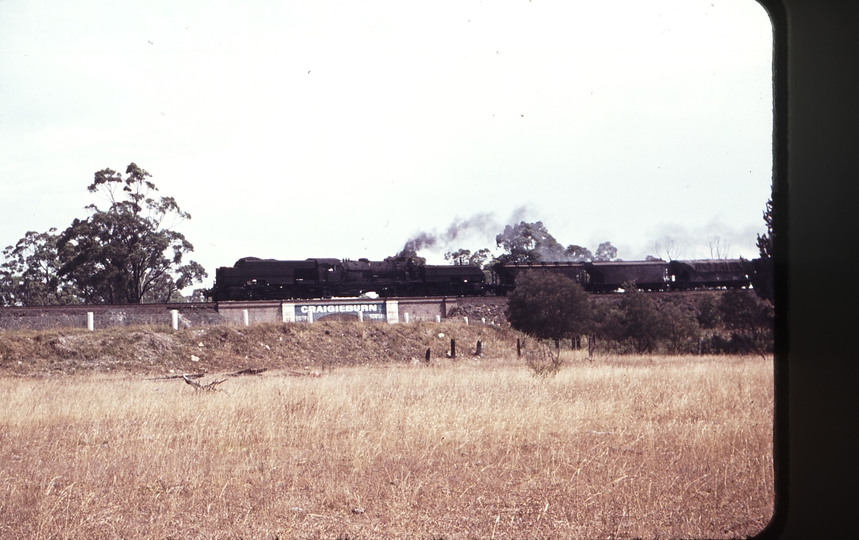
{"points": [[628, 447]]}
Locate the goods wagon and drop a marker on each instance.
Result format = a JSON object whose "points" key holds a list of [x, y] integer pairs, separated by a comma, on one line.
{"points": [[652, 275]]}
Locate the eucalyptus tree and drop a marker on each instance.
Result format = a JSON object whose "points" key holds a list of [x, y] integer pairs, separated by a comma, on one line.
{"points": [[129, 251]]}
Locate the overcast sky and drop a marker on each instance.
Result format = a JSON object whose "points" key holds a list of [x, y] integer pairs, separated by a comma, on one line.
{"points": [[342, 129]]}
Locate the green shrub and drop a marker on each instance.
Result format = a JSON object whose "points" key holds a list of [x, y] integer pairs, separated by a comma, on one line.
{"points": [[549, 306], [750, 320]]}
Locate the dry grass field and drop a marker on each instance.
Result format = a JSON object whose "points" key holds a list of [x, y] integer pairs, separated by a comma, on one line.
{"points": [[628, 447]]}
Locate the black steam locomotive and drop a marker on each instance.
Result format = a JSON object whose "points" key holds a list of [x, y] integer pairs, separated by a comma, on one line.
{"points": [[268, 279], [656, 275]]}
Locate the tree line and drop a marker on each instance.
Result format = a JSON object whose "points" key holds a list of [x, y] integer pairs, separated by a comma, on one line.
{"points": [[125, 253], [553, 307], [526, 243]]}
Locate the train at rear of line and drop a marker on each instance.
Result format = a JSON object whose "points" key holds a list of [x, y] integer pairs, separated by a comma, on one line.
{"points": [[652, 275], [252, 278]]}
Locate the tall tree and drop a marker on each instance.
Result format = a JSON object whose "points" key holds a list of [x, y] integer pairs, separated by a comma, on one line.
{"points": [[464, 257], [128, 253], [667, 247], [529, 243], [719, 247], [606, 252], [29, 276], [459, 257], [578, 253]]}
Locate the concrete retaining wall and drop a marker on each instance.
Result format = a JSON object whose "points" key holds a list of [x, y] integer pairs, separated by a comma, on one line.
{"points": [[424, 309], [44, 317]]}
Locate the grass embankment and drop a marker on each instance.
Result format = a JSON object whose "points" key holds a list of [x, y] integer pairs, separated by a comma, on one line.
{"points": [[322, 345], [476, 448]]}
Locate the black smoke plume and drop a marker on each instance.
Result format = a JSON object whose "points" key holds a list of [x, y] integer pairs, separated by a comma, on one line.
{"points": [[480, 224], [420, 241], [483, 223]]}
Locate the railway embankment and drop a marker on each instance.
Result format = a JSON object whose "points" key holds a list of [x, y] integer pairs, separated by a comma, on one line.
{"points": [[140, 339], [297, 347]]}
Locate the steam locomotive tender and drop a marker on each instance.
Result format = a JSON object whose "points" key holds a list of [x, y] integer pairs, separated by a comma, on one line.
{"points": [[269, 279]]}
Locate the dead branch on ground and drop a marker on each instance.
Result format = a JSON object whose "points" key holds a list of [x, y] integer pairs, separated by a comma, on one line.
{"points": [[211, 387], [248, 371], [174, 377]]}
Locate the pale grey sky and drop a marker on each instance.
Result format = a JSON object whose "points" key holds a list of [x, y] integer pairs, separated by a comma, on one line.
{"points": [[340, 129]]}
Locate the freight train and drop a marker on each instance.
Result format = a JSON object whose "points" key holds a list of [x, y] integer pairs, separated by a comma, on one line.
{"points": [[269, 279], [653, 275]]}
